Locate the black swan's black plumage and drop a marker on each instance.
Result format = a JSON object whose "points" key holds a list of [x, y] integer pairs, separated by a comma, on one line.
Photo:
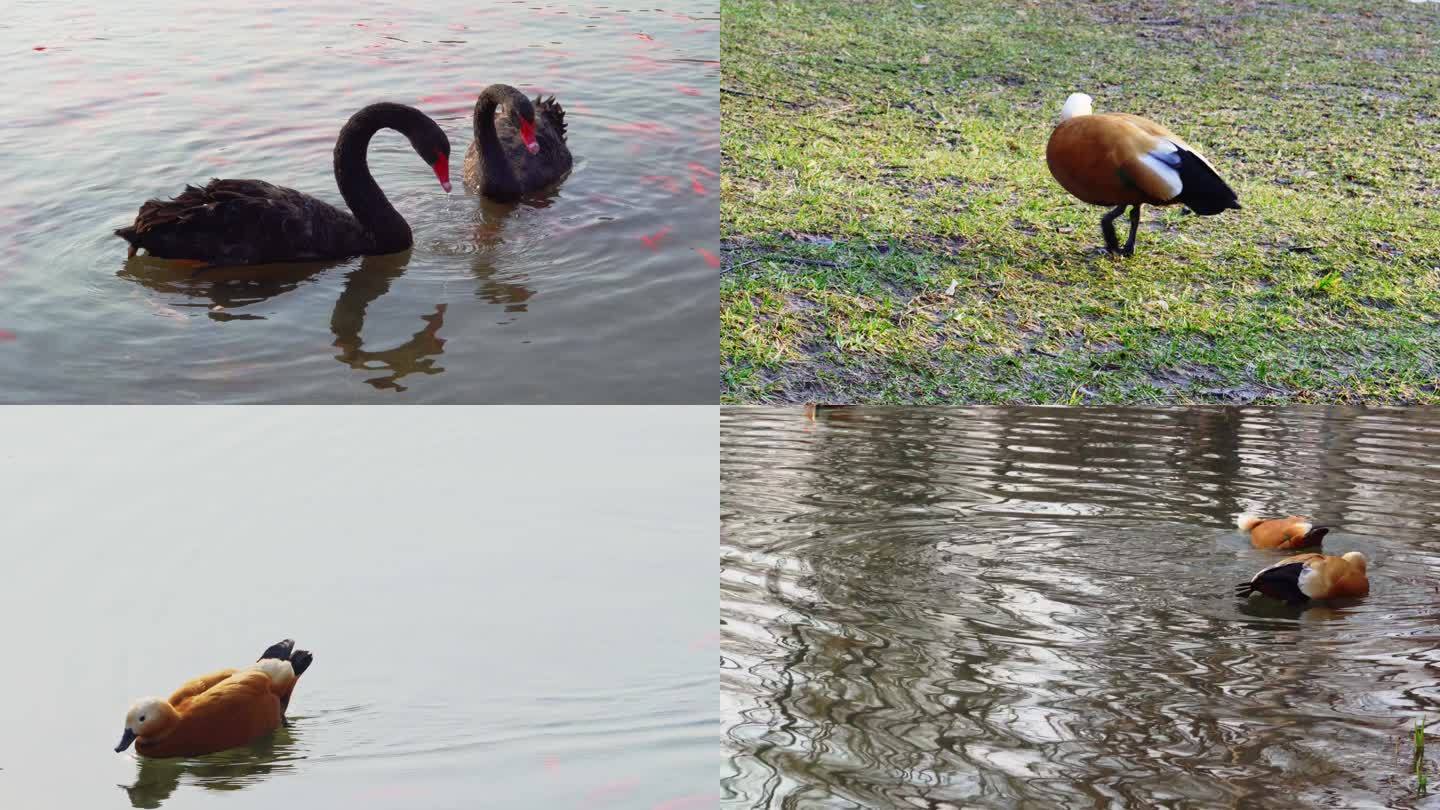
{"points": [[498, 164], [236, 222]]}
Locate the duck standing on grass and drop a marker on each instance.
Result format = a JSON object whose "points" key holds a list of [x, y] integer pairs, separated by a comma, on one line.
{"points": [[224, 709], [1304, 577], [1281, 533], [1125, 161]]}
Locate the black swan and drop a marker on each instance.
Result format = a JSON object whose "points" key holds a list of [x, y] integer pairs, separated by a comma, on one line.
{"points": [[234, 222], [518, 153]]}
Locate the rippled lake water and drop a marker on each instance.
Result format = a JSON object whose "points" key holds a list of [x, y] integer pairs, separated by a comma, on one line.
{"points": [[603, 291], [501, 603], [1032, 607]]}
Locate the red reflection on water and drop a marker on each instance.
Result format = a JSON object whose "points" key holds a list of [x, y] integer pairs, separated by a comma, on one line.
{"points": [[644, 64], [702, 169], [6, 336], [652, 241], [662, 179], [611, 790], [696, 186], [39, 48], [644, 128], [689, 91]]}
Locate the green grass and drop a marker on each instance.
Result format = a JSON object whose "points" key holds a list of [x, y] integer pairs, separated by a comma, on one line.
{"points": [[1418, 761], [892, 234]]}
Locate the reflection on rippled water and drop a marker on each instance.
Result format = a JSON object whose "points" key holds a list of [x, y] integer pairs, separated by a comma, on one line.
{"points": [[501, 603], [1031, 607], [601, 291], [157, 779]]}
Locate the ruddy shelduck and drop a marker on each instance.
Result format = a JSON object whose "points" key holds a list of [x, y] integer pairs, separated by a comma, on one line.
{"points": [[1281, 533], [1305, 577], [1124, 160], [221, 710]]}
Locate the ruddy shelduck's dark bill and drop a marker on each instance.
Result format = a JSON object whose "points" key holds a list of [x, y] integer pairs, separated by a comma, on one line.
{"points": [[125, 740]]}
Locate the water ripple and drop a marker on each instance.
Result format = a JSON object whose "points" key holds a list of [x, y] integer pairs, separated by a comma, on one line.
{"points": [[1030, 607]]}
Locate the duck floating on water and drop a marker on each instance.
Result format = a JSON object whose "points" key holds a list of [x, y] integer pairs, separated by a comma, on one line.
{"points": [[224, 709], [1284, 533], [1124, 161], [1305, 577]]}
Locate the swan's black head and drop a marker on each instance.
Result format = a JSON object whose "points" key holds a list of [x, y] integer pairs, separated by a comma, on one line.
{"points": [[433, 147], [524, 111], [425, 136], [516, 107]]}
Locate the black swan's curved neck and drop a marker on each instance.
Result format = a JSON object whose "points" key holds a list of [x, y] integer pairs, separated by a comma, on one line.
{"points": [[498, 173], [382, 223]]}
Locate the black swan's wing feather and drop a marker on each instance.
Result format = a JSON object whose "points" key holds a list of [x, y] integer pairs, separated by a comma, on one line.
{"points": [[551, 113], [243, 222]]}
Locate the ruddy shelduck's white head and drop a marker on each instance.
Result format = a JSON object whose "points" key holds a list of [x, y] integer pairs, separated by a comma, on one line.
{"points": [[1355, 558], [1076, 104], [146, 717]]}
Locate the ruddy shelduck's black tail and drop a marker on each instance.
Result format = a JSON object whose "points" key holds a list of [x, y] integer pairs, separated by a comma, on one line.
{"points": [[285, 651], [1202, 190], [1277, 582], [300, 661]]}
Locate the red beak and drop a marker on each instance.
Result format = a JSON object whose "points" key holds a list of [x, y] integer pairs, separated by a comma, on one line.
{"points": [[442, 171], [527, 134]]}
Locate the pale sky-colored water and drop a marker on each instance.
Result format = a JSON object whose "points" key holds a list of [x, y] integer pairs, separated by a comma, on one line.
{"points": [[508, 607]]}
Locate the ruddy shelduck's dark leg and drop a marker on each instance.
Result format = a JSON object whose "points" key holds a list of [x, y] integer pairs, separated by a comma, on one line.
{"points": [[1107, 227], [1129, 249]]}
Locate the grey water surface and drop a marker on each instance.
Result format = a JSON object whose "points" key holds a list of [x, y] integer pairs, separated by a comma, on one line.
{"points": [[1032, 607], [505, 604]]}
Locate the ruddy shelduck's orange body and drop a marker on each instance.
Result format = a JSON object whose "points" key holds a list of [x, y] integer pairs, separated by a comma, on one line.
{"points": [[1281, 534], [1304, 577], [224, 709], [1123, 160]]}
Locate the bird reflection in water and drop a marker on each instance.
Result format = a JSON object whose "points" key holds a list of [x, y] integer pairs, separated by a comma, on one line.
{"points": [[227, 292], [504, 288], [415, 356], [236, 769]]}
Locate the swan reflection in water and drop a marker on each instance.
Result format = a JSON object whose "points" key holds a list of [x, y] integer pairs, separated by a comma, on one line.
{"points": [[235, 769], [414, 356], [226, 294]]}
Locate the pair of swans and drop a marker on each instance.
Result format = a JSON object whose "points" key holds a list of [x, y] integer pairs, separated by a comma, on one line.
{"points": [[240, 222]]}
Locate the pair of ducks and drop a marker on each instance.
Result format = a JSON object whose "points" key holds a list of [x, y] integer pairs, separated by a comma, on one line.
{"points": [[1302, 577], [519, 148]]}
